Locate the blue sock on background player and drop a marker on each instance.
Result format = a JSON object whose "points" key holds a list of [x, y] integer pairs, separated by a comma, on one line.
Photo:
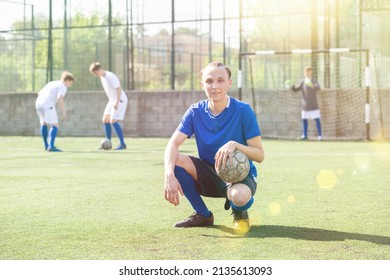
{"points": [[45, 133], [119, 132], [53, 135], [305, 125], [189, 189], [318, 124], [107, 130]]}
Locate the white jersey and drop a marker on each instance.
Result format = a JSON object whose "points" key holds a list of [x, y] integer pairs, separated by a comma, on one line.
{"points": [[110, 83], [47, 97]]}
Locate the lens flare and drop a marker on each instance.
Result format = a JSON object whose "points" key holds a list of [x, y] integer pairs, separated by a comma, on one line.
{"points": [[339, 172], [362, 163], [326, 178], [291, 199], [242, 227], [275, 208]]}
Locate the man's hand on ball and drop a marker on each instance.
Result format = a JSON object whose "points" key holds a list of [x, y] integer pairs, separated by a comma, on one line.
{"points": [[224, 153]]}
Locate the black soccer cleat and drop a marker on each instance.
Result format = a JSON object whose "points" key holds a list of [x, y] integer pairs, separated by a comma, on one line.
{"points": [[196, 220], [227, 204]]}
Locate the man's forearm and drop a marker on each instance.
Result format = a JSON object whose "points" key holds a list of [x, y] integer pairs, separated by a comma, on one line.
{"points": [[170, 156]]}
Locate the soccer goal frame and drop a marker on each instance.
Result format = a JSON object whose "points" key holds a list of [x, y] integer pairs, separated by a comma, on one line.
{"points": [[367, 82]]}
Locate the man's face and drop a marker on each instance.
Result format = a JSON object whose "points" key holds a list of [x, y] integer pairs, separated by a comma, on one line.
{"points": [[98, 73], [68, 83], [308, 73], [215, 82]]}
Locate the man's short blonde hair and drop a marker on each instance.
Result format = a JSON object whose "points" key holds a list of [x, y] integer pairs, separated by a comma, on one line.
{"points": [[95, 66], [308, 68], [217, 64], [67, 76]]}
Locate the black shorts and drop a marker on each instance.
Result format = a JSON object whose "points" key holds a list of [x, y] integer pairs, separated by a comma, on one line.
{"points": [[211, 185]]}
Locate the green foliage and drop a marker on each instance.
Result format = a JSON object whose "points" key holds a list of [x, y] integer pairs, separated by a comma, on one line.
{"points": [[86, 40], [269, 24], [188, 31], [73, 50]]}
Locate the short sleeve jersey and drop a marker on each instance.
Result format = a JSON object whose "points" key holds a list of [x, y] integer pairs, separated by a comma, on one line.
{"points": [[47, 96], [236, 123], [110, 83], [309, 95]]}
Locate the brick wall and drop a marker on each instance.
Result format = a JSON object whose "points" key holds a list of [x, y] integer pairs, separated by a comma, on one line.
{"points": [[157, 114], [149, 114]]}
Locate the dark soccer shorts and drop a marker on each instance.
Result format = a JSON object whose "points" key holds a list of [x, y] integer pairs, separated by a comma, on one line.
{"points": [[211, 185]]}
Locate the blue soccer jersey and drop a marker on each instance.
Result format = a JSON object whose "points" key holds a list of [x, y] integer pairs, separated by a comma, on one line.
{"points": [[236, 123]]}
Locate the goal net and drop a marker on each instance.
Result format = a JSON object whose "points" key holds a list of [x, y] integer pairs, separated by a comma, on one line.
{"points": [[348, 100]]}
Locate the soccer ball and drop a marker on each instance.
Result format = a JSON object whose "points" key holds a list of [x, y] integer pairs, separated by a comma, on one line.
{"points": [[106, 144], [236, 168]]}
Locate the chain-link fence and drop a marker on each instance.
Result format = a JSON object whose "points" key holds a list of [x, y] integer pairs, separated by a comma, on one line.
{"points": [[162, 45]]}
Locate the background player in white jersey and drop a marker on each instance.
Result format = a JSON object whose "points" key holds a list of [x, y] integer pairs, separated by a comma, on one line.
{"points": [[117, 102], [54, 92]]}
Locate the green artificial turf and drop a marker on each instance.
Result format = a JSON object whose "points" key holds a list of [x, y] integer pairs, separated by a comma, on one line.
{"points": [[315, 201]]}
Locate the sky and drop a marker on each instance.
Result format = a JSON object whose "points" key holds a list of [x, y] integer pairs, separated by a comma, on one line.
{"points": [[153, 10], [12, 10], [144, 11]]}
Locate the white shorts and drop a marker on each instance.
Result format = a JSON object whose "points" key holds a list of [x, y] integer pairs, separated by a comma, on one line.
{"points": [[315, 114], [118, 114], [47, 115]]}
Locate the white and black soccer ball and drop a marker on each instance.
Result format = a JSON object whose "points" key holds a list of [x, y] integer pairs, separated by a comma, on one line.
{"points": [[236, 168], [106, 144]]}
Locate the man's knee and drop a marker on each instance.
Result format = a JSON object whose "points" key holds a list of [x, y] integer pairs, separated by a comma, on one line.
{"points": [[185, 162], [240, 195], [182, 160]]}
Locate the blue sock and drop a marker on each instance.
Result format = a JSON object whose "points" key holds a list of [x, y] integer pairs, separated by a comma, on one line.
{"points": [[119, 132], [107, 130], [244, 207], [188, 185], [44, 133], [305, 125], [53, 135], [318, 124]]}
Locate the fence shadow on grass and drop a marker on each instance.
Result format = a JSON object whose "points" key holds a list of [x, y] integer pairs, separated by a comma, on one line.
{"points": [[303, 233]]}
